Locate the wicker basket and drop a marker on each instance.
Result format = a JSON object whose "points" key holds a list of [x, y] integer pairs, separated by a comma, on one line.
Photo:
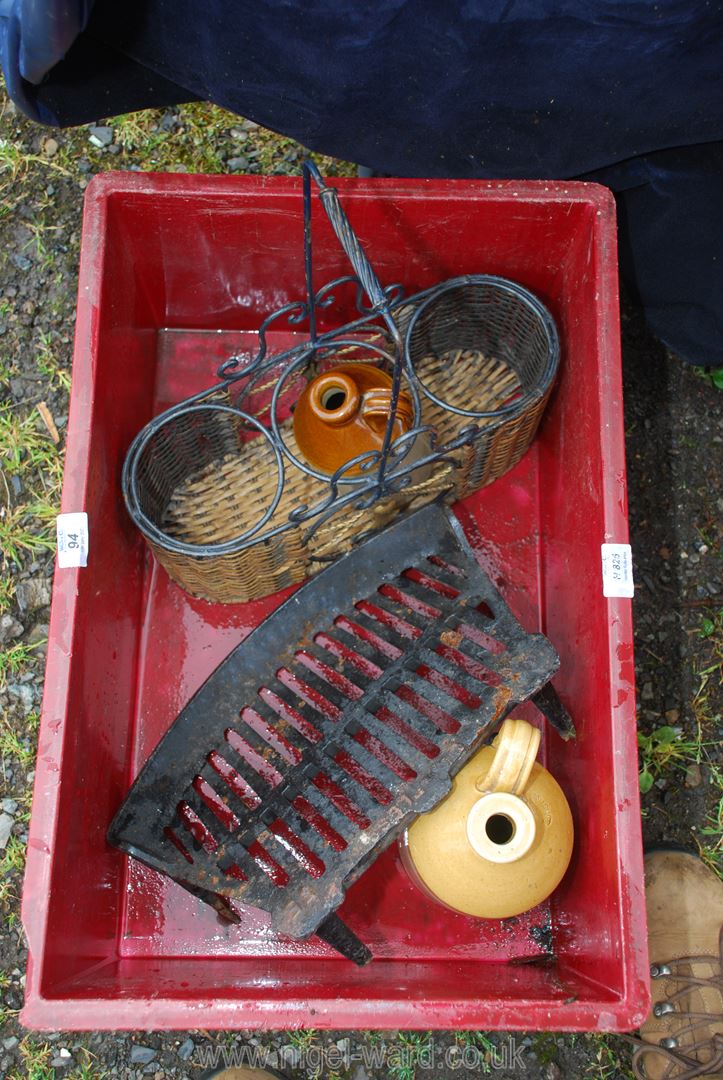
{"points": [[220, 491]]}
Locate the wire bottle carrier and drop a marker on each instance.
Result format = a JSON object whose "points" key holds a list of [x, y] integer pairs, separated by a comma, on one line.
{"points": [[218, 486]]}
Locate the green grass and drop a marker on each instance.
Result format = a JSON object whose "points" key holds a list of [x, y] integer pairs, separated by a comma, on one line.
{"points": [[706, 707], [86, 1067], [545, 1046], [86, 1071], [12, 745], [605, 1062], [26, 520], [47, 363], [196, 145], [482, 1044], [404, 1057], [15, 161], [24, 445], [709, 838], [714, 377], [7, 592], [480, 1040], [709, 672], [40, 244], [13, 660], [12, 864], [660, 750], [36, 1057], [302, 1040], [666, 747]]}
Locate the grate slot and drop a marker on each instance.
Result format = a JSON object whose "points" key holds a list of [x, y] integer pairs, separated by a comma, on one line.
{"points": [[201, 837], [445, 674], [349, 659], [470, 665], [416, 692], [272, 865], [306, 832], [316, 687], [216, 804], [350, 770], [366, 640], [321, 823], [451, 685], [251, 758], [348, 760], [270, 735], [377, 618], [397, 610], [172, 835], [303, 690], [201, 821], [232, 870], [236, 861], [402, 700], [438, 688], [284, 731], [256, 751], [278, 703], [296, 850], [342, 823], [234, 792], [311, 659], [324, 781], [285, 700], [409, 724], [447, 570], [235, 782], [412, 605], [430, 583], [382, 752], [394, 743], [421, 593], [479, 638]]}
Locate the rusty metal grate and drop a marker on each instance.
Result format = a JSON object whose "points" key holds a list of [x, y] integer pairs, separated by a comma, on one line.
{"points": [[341, 717]]}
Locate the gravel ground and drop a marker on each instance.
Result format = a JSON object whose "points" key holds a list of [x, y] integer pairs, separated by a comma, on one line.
{"points": [[675, 459]]}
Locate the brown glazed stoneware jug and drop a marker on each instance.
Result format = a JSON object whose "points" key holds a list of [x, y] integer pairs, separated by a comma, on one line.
{"points": [[501, 841], [344, 412]]}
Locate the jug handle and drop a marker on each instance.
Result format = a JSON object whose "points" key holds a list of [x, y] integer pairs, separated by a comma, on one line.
{"points": [[376, 406], [516, 749]]}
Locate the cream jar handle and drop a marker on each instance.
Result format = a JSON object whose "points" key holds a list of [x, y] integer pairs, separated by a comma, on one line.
{"points": [[500, 825], [516, 749]]}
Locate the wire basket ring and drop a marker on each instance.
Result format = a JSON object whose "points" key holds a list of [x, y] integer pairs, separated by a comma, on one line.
{"points": [[131, 482], [531, 303]]}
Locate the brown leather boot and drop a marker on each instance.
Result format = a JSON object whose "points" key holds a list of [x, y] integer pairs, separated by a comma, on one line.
{"points": [[682, 1039]]}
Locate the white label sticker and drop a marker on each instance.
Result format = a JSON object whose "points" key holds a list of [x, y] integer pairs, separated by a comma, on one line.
{"points": [[617, 570], [72, 539]]}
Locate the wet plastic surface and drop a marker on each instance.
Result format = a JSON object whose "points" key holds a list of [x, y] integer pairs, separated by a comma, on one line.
{"points": [[176, 272]]}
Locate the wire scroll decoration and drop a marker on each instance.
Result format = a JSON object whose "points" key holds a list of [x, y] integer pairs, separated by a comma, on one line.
{"points": [[383, 332]]}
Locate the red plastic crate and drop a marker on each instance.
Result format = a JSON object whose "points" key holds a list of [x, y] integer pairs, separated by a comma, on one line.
{"points": [[176, 273]]}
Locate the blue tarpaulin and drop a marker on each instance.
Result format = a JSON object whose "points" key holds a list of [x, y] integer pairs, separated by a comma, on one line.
{"points": [[626, 93]]}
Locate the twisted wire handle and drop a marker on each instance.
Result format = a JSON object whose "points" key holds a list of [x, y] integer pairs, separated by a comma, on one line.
{"points": [[348, 240], [370, 283]]}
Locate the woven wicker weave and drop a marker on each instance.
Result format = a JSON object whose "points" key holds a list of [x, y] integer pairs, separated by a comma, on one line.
{"points": [[225, 497]]}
